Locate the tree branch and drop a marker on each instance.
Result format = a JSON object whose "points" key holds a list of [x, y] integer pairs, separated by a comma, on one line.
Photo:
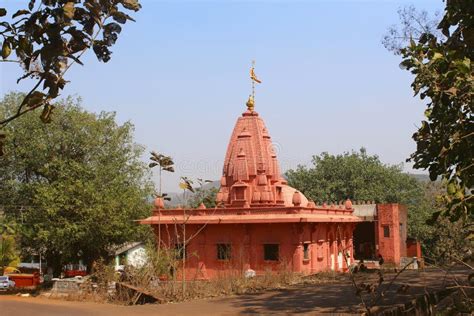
{"points": [[10, 61], [352, 275], [381, 293], [19, 113]]}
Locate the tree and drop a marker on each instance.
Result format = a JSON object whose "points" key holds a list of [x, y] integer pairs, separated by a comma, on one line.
{"points": [[361, 177], [443, 68], [420, 213], [165, 163], [9, 252], [46, 40], [76, 186], [413, 24], [354, 175], [441, 240], [205, 193]]}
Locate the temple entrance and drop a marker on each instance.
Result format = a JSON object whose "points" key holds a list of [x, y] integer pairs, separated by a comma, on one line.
{"points": [[364, 241]]}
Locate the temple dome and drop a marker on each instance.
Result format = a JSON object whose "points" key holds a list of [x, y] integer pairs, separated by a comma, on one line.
{"points": [[251, 173]]}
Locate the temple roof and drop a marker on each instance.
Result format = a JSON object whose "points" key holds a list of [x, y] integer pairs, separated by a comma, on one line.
{"points": [[251, 174], [252, 189], [337, 216]]}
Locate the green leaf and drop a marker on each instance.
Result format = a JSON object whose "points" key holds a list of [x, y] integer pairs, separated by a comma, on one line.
{"points": [[31, 5], [131, 5], [464, 65], [437, 56], [34, 99], [6, 49], [3, 12], [47, 112], [169, 169], [121, 17], [451, 188], [112, 28], [428, 113], [20, 12], [23, 43], [69, 10]]}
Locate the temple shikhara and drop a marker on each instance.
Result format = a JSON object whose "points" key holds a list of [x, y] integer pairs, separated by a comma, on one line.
{"points": [[261, 223]]}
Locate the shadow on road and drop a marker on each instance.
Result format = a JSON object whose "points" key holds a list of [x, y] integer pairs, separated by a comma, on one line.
{"points": [[341, 297]]}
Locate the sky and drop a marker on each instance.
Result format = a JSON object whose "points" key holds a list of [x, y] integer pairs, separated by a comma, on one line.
{"points": [[180, 74]]}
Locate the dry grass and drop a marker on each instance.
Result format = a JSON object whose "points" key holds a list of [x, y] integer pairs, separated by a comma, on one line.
{"points": [[156, 278], [100, 287]]}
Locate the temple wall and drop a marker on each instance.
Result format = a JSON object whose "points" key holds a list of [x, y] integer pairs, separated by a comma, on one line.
{"points": [[403, 229], [413, 248], [247, 241], [392, 232]]}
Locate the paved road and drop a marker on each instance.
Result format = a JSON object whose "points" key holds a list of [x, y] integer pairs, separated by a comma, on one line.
{"points": [[308, 299]]}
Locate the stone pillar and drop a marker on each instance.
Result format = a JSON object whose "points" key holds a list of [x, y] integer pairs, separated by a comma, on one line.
{"points": [[245, 250], [298, 247]]}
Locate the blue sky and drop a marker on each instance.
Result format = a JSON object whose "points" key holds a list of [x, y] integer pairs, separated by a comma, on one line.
{"points": [[180, 75]]}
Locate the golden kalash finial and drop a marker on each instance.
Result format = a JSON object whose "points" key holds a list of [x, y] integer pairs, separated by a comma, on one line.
{"points": [[250, 103], [253, 77]]}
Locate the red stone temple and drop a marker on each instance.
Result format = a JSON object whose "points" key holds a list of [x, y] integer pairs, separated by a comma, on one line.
{"points": [[261, 223]]}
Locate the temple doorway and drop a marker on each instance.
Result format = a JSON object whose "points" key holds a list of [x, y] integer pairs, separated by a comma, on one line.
{"points": [[364, 241]]}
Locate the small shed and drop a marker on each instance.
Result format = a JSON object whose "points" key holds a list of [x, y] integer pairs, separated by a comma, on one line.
{"points": [[132, 254]]}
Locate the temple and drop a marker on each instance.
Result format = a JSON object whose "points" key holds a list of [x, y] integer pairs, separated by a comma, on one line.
{"points": [[260, 222]]}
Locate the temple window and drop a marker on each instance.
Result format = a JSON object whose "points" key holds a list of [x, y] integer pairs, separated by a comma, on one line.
{"points": [[278, 194], [386, 231], [240, 193], [179, 251], [224, 251], [271, 252], [306, 251]]}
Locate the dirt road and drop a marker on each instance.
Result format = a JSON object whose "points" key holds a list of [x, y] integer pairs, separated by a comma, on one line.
{"points": [[308, 299]]}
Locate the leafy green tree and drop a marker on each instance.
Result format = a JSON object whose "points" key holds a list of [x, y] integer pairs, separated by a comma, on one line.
{"points": [[441, 240], [76, 186], [357, 176], [442, 63], [48, 36], [205, 195], [420, 213], [9, 252]]}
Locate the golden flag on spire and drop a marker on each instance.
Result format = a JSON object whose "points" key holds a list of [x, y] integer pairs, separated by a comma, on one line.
{"points": [[253, 76]]}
